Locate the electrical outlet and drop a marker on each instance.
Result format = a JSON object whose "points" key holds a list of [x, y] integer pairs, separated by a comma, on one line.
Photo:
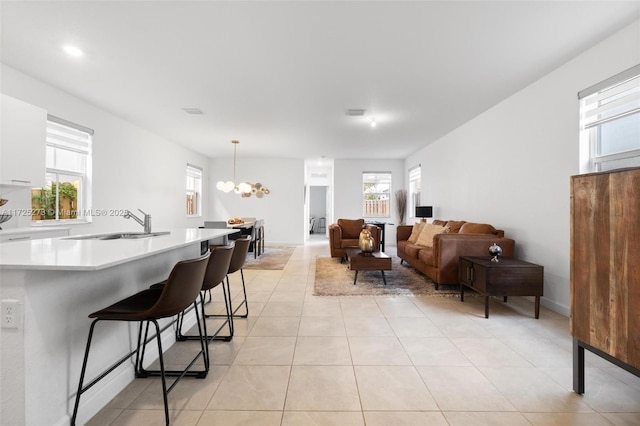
{"points": [[11, 313]]}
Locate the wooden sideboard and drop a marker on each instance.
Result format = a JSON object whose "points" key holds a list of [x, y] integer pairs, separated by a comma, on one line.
{"points": [[605, 269]]}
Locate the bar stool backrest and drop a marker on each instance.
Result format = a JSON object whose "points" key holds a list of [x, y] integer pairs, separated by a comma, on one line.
{"points": [[217, 267], [240, 250], [182, 288], [215, 224]]}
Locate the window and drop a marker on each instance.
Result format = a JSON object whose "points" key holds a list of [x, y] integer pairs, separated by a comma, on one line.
{"points": [[65, 196], [415, 183], [610, 123], [376, 190], [194, 190]]}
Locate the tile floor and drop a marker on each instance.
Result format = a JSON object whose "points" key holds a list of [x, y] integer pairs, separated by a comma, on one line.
{"points": [[305, 360]]}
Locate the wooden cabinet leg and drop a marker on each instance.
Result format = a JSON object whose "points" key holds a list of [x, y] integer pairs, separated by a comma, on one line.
{"points": [[537, 307], [486, 306]]}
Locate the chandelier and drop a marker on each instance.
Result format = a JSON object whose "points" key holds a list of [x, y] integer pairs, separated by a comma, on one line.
{"points": [[246, 189]]}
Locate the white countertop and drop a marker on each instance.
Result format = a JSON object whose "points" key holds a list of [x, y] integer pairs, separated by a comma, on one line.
{"points": [[91, 255], [32, 229]]}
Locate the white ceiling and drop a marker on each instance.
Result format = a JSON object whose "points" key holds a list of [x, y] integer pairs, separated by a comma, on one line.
{"points": [[279, 76]]}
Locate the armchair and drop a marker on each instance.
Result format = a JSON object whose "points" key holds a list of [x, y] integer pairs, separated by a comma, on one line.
{"points": [[345, 234]]}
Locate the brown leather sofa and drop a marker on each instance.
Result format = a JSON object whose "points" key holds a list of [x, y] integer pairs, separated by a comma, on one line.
{"points": [[440, 262], [345, 234]]}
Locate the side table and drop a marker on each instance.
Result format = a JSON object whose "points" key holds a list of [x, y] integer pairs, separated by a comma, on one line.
{"points": [[508, 277]]}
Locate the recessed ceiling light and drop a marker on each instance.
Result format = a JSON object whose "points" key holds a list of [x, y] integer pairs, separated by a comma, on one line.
{"points": [[72, 51], [193, 111], [355, 112], [373, 122]]}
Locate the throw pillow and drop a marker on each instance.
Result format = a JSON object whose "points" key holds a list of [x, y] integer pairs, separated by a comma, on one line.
{"points": [[455, 225], [477, 228], [415, 232], [428, 232]]}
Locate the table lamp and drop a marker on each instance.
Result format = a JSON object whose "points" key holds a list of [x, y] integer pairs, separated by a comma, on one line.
{"points": [[424, 211]]}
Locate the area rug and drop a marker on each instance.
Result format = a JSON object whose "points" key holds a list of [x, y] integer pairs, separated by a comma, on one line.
{"points": [[273, 258], [335, 279]]}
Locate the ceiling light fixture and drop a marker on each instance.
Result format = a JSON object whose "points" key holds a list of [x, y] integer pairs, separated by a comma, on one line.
{"points": [[73, 51], [356, 112], [373, 123], [246, 189], [193, 111]]}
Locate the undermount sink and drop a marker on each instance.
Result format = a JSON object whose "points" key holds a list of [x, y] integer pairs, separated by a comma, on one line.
{"points": [[118, 236]]}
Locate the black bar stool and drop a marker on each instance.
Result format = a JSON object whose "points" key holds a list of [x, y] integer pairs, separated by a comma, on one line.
{"points": [[148, 306], [240, 250], [217, 268]]}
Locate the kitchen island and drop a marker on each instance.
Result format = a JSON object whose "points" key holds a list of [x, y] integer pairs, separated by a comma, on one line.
{"points": [[57, 283]]}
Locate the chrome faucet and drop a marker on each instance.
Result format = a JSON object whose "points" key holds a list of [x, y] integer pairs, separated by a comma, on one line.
{"points": [[146, 224]]}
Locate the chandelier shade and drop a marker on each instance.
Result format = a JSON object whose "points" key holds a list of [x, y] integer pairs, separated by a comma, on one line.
{"points": [[245, 189]]}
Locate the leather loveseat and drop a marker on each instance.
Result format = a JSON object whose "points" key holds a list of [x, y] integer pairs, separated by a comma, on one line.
{"points": [[448, 241], [345, 234]]}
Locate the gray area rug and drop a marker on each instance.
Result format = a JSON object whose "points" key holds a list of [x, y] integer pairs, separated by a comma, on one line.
{"points": [[335, 279], [273, 258]]}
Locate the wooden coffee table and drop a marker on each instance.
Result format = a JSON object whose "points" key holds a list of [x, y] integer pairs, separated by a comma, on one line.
{"points": [[508, 277], [376, 261]]}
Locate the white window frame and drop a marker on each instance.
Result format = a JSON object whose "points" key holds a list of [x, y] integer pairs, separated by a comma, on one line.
{"points": [[194, 189], [415, 186], [597, 104], [373, 177], [65, 135]]}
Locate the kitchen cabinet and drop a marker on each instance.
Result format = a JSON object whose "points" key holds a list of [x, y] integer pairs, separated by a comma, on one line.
{"points": [[22, 143], [605, 269], [58, 283]]}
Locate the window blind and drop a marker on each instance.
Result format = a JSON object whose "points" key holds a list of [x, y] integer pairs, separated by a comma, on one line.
{"points": [[66, 135], [613, 103]]}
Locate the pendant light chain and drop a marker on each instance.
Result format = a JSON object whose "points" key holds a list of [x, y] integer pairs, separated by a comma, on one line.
{"points": [[235, 150]]}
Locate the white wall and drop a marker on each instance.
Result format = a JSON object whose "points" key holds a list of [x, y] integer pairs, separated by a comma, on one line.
{"points": [[132, 167], [348, 190], [511, 165], [282, 210]]}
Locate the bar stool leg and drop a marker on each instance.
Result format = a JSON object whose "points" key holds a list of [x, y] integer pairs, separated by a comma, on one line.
{"points": [[244, 302], [226, 292], [162, 375], [141, 372], [214, 336], [82, 372]]}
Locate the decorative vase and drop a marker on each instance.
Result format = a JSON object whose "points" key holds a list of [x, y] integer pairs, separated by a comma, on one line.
{"points": [[365, 242], [495, 251]]}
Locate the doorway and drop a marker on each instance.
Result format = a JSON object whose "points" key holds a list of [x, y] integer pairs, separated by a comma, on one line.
{"points": [[318, 199], [317, 211]]}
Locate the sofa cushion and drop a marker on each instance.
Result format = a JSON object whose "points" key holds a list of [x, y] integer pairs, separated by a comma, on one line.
{"points": [[415, 232], [439, 222], [349, 242], [412, 250], [477, 228], [428, 231], [351, 228], [426, 255], [455, 225]]}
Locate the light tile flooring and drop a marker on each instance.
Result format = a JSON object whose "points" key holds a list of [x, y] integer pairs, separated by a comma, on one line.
{"points": [[305, 360]]}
